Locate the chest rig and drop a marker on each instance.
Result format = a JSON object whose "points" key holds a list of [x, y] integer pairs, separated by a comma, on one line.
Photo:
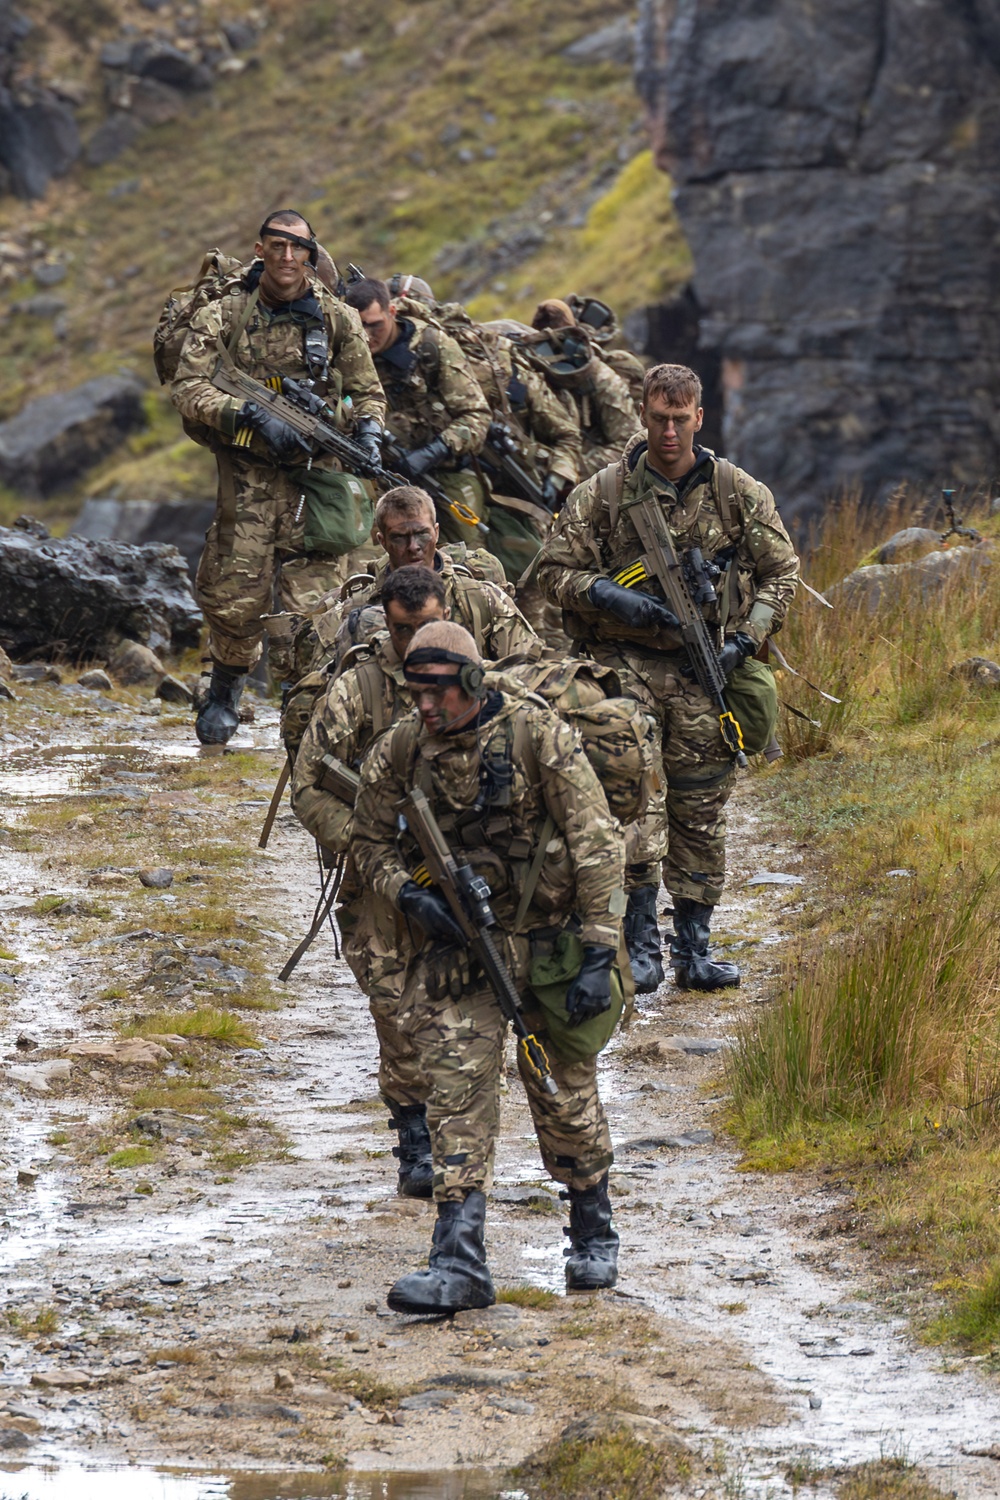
{"points": [[409, 372], [305, 312]]}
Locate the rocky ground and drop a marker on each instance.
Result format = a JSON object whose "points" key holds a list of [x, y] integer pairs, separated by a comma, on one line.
{"points": [[199, 1218]]}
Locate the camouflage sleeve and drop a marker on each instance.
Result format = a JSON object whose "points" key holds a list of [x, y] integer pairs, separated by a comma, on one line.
{"points": [[191, 389], [506, 630], [613, 400], [463, 398], [352, 359], [555, 425], [574, 797], [373, 844], [334, 729], [766, 549], [570, 558]]}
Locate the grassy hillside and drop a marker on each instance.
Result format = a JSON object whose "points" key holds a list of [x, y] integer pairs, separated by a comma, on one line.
{"points": [[450, 139]]}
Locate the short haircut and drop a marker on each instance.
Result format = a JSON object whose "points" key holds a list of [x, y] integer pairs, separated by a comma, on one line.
{"points": [[284, 216], [679, 385], [365, 291], [411, 587], [404, 500]]}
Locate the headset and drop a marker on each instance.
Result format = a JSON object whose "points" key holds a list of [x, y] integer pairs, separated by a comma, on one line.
{"points": [[470, 677]]}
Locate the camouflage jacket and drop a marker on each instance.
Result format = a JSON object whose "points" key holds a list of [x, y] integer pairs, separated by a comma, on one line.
{"points": [[488, 613], [272, 343], [758, 584], [368, 696], [431, 391], [517, 394], [583, 870], [606, 413]]}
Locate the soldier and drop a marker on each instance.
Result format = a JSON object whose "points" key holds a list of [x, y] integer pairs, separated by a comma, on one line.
{"points": [[277, 318], [573, 366], [495, 769], [406, 526], [360, 704], [632, 629]]}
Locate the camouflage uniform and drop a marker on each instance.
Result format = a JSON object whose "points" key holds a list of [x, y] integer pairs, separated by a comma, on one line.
{"points": [[606, 413], [698, 769], [460, 1042], [360, 704], [488, 613], [257, 524]]}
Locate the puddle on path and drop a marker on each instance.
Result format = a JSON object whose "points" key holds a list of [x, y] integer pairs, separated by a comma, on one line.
{"points": [[74, 1483]]}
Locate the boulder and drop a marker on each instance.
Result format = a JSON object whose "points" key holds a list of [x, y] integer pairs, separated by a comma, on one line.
{"points": [[182, 522], [886, 584], [909, 545], [39, 138], [978, 670], [113, 136], [835, 174], [96, 679], [132, 665], [55, 438], [150, 58], [612, 43], [78, 599]]}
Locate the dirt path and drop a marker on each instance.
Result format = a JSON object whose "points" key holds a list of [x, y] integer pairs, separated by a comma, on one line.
{"points": [[196, 1257]]}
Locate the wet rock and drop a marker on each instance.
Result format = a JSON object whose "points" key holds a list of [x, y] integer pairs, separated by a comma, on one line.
{"points": [[693, 1046], [96, 678], [25, 1043], [130, 1052], [511, 1404], [612, 43], [743, 1274], [61, 1380], [156, 880], [172, 690], [772, 877], [171, 1278], [37, 671], [26, 1178], [673, 1142], [133, 665], [815, 1403], [12, 1438], [167, 64], [978, 670], [504, 1315], [182, 523], [39, 1077], [910, 584], [164, 1124], [475, 1379], [908, 545], [283, 1379], [430, 1400], [81, 599], [55, 438]]}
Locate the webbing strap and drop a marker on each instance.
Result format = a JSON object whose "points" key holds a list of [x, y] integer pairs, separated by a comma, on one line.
{"points": [[369, 675], [242, 321], [534, 871]]}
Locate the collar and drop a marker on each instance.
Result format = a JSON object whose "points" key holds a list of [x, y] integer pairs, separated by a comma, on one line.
{"points": [[399, 354], [307, 307]]}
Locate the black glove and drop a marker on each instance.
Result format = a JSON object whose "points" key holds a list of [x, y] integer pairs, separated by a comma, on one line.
{"points": [[287, 445], [368, 435], [447, 971], [552, 492], [431, 911], [640, 611], [418, 461], [735, 652], [590, 993]]}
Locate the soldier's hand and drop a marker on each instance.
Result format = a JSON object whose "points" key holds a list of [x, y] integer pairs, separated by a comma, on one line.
{"points": [[637, 610], [735, 652], [287, 445], [590, 993], [447, 972], [431, 911], [419, 461], [368, 435]]}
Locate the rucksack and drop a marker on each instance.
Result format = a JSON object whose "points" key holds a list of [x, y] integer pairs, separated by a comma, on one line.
{"points": [[217, 273]]}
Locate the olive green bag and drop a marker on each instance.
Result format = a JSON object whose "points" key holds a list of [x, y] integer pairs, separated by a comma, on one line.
{"points": [[752, 699], [339, 510], [550, 976]]}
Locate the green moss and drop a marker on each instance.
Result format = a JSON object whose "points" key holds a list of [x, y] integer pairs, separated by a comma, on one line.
{"points": [[132, 1156], [205, 1024], [612, 1462], [528, 1296]]}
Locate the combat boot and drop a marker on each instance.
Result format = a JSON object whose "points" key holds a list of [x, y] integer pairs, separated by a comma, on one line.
{"points": [[642, 938], [416, 1171], [693, 969], [218, 718], [593, 1243], [457, 1276]]}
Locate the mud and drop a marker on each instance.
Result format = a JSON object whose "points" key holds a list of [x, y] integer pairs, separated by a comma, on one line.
{"points": [[219, 1299]]}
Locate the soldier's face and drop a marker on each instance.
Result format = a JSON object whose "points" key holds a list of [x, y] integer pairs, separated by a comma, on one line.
{"points": [[444, 707], [284, 261], [379, 325], [404, 623], [410, 539], [671, 429]]}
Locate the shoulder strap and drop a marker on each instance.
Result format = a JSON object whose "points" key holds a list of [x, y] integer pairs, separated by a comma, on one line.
{"points": [[430, 350], [401, 744], [727, 498], [369, 675], [472, 595], [524, 755], [611, 481]]}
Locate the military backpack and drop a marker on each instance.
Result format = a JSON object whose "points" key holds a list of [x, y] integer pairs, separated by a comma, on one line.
{"points": [[216, 276]]}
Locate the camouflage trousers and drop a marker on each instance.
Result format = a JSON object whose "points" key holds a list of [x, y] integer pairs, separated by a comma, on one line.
{"points": [[377, 945], [698, 771], [461, 1048], [250, 549]]}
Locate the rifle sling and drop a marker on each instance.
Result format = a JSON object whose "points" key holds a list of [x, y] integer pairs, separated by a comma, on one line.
{"points": [[534, 871]]}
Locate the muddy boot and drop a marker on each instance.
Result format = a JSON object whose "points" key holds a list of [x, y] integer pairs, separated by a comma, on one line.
{"points": [[642, 938], [693, 969], [593, 1251], [416, 1172], [218, 717], [457, 1275]]}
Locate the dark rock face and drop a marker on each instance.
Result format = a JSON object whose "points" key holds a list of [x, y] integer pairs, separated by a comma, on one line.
{"points": [[80, 599], [181, 523], [57, 437], [837, 178], [39, 138]]}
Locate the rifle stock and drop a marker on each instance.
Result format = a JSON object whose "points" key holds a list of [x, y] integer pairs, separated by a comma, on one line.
{"points": [[468, 895]]}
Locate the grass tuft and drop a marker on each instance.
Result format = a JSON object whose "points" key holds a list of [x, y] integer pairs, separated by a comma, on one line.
{"points": [[974, 1318], [206, 1024], [609, 1461], [133, 1156], [528, 1296]]}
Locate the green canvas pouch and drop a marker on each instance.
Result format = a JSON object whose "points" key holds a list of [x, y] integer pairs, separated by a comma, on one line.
{"points": [[752, 699], [339, 510], [553, 969]]}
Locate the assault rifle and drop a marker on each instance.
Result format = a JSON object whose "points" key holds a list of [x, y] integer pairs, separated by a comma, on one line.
{"points": [[396, 454], [501, 450], [468, 895], [662, 563]]}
